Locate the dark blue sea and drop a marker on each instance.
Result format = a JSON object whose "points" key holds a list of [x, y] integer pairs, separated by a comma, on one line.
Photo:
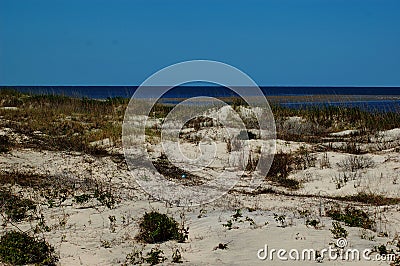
{"points": [[104, 92]]}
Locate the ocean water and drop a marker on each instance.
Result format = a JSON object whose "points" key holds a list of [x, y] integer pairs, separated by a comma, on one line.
{"points": [[104, 92]]}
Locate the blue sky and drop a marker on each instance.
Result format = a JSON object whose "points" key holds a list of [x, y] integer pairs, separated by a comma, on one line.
{"points": [[122, 42]]}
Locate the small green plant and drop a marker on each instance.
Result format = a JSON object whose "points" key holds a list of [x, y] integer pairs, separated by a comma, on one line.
{"points": [[351, 217], [228, 224], [155, 256], [364, 234], [14, 207], [135, 257], [113, 223], [156, 227], [5, 144], [82, 199], [19, 248], [221, 246], [176, 256], [105, 196], [250, 220], [281, 219], [237, 215], [338, 231], [312, 222], [105, 244], [382, 250]]}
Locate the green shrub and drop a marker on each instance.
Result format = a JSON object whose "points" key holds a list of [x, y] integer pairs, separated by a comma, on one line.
{"points": [[5, 143], [15, 207], [19, 248], [281, 166], [351, 216], [156, 227], [338, 231], [155, 256]]}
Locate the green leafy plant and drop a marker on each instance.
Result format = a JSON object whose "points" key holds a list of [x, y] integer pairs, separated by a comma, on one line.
{"points": [[176, 256], [312, 222], [156, 227], [228, 224], [14, 207], [281, 219], [338, 231], [351, 216], [5, 144], [19, 248], [155, 256]]}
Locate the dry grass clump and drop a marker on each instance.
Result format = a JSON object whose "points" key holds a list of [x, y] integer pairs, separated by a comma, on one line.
{"points": [[279, 171], [371, 198], [174, 173], [319, 121], [353, 163], [56, 122]]}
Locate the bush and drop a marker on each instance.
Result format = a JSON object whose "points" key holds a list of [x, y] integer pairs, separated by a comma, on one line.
{"points": [[338, 231], [280, 168], [14, 207], [353, 163], [19, 248], [5, 144], [156, 227], [351, 216]]}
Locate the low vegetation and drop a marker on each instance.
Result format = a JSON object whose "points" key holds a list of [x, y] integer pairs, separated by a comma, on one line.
{"points": [[156, 227], [351, 216], [19, 248]]}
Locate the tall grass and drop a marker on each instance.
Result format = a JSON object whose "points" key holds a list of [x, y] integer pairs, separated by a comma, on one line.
{"points": [[63, 123]]}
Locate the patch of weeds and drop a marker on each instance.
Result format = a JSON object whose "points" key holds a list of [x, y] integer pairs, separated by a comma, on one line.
{"points": [[135, 257], [371, 198], [382, 250], [236, 218], [202, 213], [281, 219], [281, 166], [364, 234], [221, 246], [105, 196], [228, 224], [338, 231], [155, 256], [82, 199], [312, 222], [304, 159], [15, 207], [237, 215], [19, 248], [174, 173], [356, 162], [105, 244], [41, 225], [351, 217], [177, 256], [251, 221], [5, 144], [156, 227]]}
